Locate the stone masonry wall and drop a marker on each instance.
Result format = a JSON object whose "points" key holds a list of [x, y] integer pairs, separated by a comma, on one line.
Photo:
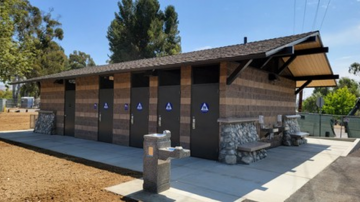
{"points": [[86, 115], [121, 130], [185, 109], [234, 135], [52, 99], [45, 123], [252, 94], [294, 127]]}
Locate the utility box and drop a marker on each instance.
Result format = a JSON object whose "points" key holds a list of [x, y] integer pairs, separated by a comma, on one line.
{"points": [[157, 156], [27, 102]]}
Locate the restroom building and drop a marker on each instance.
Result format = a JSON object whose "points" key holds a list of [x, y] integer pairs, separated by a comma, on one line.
{"points": [[186, 93]]}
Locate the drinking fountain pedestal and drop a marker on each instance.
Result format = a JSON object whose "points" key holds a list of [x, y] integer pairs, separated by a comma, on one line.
{"points": [[157, 158]]}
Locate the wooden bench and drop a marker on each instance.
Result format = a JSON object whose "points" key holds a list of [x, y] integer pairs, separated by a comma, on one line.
{"points": [[253, 146]]}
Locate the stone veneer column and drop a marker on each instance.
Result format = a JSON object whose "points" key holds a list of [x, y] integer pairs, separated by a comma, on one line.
{"points": [[153, 103], [86, 115], [53, 99], [122, 88], [185, 109]]}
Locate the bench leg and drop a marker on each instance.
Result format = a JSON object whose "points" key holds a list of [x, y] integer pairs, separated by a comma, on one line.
{"points": [[298, 141], [286, 141], [293, 141], [250, 157]]}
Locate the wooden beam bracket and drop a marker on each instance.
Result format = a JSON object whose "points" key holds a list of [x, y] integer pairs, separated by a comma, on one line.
{"points": [[237, 71], [266, 62], [303, 86], [286, 64]]}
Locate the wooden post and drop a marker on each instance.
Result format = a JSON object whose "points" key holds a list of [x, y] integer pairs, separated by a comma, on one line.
{"points": [[300, 101]]}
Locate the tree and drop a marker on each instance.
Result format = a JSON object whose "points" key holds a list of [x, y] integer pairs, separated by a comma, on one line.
{"points": [[141, 30], [79, 59], [351, 84], [323, 91], [5, 94], [172, 44], [15, 55], [35, 33], [339, 102], [354, 68], [309, 105]]}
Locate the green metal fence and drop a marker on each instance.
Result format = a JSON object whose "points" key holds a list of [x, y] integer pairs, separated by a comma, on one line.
{"points": [[353, 129], [310, 123]]}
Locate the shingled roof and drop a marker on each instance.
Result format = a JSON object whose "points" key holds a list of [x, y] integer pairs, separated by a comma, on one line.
{"points": [[251, 50]]}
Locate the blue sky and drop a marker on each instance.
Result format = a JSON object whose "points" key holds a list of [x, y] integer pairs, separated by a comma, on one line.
{"points": [[214, 23]]}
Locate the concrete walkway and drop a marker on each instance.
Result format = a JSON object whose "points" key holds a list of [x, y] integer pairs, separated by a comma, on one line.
{"points": [[275, 178]]}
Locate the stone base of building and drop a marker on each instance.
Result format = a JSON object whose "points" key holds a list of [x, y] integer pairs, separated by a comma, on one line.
{"points": [[235, 134], [45, 123], [293, 141], [243, 157]]}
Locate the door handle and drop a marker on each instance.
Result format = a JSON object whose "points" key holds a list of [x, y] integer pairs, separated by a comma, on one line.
{"points": [[132, 119], [100, 117], [193, 122], [159, 121]]}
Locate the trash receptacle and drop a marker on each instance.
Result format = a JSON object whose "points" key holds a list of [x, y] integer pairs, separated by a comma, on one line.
{"points": [[327, 134]]}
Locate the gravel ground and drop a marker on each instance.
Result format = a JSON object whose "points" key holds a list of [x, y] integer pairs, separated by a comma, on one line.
{"points": [[30, 174]]}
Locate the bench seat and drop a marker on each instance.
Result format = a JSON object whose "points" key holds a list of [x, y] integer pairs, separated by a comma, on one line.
{"points": [[253, 146], [299, 134]]}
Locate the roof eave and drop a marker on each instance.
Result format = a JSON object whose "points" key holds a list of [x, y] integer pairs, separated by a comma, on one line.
{"points": [[278, 49], [196, 63]]}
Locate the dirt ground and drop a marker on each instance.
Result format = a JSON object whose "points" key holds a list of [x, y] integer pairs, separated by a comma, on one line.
{"points": [[15, 121], [31, 175]]}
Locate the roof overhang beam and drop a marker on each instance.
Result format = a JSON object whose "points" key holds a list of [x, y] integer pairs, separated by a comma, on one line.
{"points": [[284, 51], [311, 51], [317, 77]]}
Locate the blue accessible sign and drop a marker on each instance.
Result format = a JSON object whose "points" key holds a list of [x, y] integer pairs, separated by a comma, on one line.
{"points": [[126, 106], [204, 107], [168, 106], [95, 106], [139, 106], [106, 106]]}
